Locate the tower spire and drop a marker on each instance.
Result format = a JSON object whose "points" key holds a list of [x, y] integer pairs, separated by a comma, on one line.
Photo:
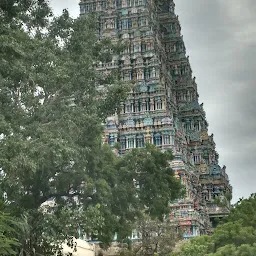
{"points": [[172, 6]]}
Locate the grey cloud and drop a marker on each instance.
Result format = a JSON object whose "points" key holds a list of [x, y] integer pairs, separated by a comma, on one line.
{"points": [[220, 37]]}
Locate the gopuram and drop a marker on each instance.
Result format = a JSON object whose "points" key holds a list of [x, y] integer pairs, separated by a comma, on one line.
{"points": [[163, 108]]}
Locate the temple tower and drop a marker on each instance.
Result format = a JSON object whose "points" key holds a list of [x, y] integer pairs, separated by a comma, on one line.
{"points": [[163, 107]]}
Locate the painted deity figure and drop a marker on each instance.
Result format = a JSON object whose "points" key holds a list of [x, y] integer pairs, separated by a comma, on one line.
{"points": [[153, 72], [171, 8], [127, 61], [109, 3], [98, 6], [140, 74], [176, 70], [148, 45], [136, 47]]}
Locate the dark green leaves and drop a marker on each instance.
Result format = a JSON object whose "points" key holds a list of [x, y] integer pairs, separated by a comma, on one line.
{"points": [[8, 230]]}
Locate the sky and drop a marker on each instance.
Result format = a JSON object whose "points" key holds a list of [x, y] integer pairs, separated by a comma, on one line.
{"points": [[220, 38]]}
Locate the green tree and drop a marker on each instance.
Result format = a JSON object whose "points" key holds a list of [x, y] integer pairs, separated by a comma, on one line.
{"points": [[157, 237], [199, 246], [232, 250], [8, 242], [145, 183], [244, 211], [155, 181]]}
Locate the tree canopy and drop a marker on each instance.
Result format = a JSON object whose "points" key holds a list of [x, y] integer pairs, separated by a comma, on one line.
{"points": [[8, 242], [55, 172]]}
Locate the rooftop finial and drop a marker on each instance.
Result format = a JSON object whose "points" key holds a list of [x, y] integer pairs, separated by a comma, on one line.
{"points": [[172, 6]]}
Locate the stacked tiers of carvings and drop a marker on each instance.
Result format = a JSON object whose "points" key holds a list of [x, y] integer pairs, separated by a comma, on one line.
{"points": [[163, 107], [200, 146]]}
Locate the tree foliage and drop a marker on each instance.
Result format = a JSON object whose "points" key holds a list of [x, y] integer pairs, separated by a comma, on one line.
{"points": [[55, 172], [156, 237], [8, 242], [135, 190]]}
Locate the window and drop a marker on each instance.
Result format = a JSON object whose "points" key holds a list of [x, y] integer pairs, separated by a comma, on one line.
{"points": [[126, 50], [128, 108], [129, 23], [136, 47], [147, 73], [179, 97], [132, 107], [197, 127], [103, 4], [139, 22], [87, 7], [82, 8], [118, 3], [166, 139], [187, 126], [130, 142], [140, 142], [157, 139], [138, 108], [142, 22], [126, 76], [111, 140], [124, 24], [149, 46], [159, 104], [143, 47], [196, 159], [123, 142], [130, 75], [147, 105]]}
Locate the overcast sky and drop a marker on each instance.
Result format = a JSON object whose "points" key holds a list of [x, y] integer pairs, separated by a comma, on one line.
{"points": [[220, 38]]}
